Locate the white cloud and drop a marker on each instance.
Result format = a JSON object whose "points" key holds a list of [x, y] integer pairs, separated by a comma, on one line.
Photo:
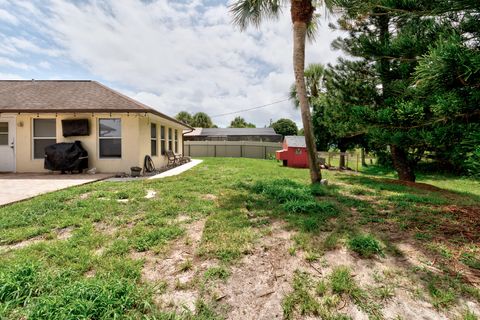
{"points": [[10, 76], [8, 17], [180, 55], [44, 64], [18, 44], [6, 62]]}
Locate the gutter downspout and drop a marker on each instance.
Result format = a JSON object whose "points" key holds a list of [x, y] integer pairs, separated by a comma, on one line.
{"points": [[183, 140]]}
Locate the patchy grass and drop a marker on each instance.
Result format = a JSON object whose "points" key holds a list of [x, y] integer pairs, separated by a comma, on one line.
{"points": [[97, 272], [365, 245]]}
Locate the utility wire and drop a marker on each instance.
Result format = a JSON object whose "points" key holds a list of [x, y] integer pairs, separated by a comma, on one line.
{"points": [[249, 109]]}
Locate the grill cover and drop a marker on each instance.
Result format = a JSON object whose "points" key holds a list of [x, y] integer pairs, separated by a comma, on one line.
{"points": [[66, 157]]}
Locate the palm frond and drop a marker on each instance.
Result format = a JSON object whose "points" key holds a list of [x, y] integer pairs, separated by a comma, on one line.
{"points": [[313, 26], [253, 12], [293, 96]]}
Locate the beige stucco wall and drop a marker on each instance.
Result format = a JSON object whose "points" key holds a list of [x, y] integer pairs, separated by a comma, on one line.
{"points": [[135, 140]]}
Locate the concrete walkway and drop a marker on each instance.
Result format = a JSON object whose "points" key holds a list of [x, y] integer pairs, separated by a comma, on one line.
{"points": [[177, 170], [20, 186]]}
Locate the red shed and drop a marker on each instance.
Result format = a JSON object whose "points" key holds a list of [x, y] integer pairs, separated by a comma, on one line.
{"points": [[294, 153]]}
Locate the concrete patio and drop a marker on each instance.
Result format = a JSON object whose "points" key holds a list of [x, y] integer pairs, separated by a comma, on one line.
{"points": [[20, 186]]}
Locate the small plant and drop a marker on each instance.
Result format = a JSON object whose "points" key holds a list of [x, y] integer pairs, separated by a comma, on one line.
{"points": [[292, 251], [341, 280], [186, 265], [385, 292], [470, 260], [122, 195], [321, 288], [331, 241], [365, 245], [312, 256], [469, 315], [441, 298], [216, 273]]}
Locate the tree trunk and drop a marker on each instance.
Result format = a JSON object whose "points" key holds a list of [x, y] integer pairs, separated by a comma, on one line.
{"points": [[362, 156], [401, 164], [299, 37], [341, 163]]}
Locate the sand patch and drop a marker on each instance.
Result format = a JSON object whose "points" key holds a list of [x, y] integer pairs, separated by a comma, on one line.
{"points": [[64, 233], [151, 194], [209, 196], [259, 282], [180, 293], [105, 228], [85, 196], [61, 234]]}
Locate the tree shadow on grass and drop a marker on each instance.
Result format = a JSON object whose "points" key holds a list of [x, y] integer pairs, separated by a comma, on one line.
{"points": [[408, 216]]}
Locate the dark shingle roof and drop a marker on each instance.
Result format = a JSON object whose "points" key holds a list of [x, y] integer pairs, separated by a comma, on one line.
{"points": [[232, 132], [296, 141], [41, 96]]}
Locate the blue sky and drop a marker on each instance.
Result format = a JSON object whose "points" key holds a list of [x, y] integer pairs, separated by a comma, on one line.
{"points": [[171, 55]]}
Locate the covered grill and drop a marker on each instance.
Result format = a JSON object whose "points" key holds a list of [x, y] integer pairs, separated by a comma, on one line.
{"points": [[66, 157]]}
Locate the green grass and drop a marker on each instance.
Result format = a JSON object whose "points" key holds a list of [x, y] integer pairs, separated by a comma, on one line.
{"points": [[93, 273], [365, 245]]}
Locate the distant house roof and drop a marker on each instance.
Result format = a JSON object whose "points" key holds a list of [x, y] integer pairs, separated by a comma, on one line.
{"points": [[296, 141], [46, 96], [210, 132]]}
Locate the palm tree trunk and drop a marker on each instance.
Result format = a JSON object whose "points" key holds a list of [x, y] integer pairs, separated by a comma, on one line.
{"points": [[299, 37]]}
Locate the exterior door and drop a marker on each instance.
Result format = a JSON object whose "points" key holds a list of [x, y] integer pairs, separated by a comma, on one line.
{"points": [[7, 144]]}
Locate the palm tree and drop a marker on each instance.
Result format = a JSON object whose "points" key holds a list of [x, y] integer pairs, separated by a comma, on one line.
{"points": [[246, 12], [314, 83]]}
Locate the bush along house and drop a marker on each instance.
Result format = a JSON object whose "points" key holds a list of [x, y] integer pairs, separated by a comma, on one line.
{"points": [[116, 131]]}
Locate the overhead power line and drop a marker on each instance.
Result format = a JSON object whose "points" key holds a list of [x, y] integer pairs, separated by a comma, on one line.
{"points": [[249, 109]]}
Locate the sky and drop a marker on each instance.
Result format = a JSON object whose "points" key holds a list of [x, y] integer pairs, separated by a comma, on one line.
{"points": [[170, 55]]}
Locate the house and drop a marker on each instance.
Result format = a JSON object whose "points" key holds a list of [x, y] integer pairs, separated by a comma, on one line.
{"points": [[117, 131], [294, 153], [233, 134]]}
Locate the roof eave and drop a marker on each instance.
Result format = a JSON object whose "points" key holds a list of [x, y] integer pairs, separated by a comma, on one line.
{"points": [[43, 111]]}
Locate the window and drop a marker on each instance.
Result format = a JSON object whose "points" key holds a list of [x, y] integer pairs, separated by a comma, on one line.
{"points": [[44, 135], [153, 139], [170, 139], [176, 140], [110, 138], [162, 139], [3, 133]]}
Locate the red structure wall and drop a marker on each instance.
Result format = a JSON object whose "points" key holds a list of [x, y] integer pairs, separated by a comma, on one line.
{"points": [[293, 156]]}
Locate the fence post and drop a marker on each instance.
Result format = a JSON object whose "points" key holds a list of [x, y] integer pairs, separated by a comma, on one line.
{"points": [[357, 161]]}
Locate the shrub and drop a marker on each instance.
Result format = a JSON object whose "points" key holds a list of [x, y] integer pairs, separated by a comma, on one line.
{"points": [[365, 245]]}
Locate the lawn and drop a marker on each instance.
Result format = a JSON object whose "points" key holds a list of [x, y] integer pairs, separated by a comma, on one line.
{"points": [[245, 239]]}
